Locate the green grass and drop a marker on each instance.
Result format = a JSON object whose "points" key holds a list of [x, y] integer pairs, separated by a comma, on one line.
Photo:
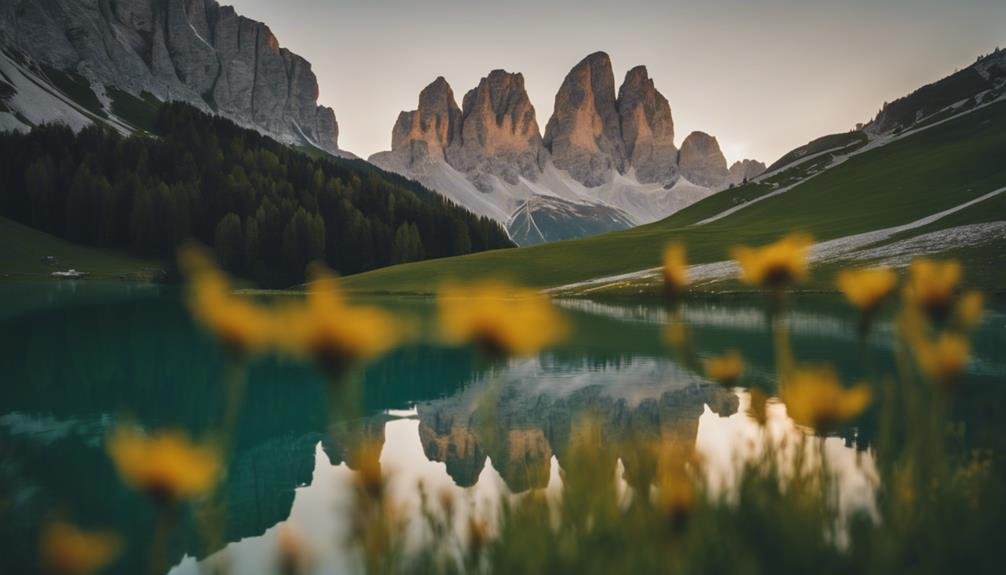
{"points": [[23, 249], [908, 179], [829, 142], [140, 112]]}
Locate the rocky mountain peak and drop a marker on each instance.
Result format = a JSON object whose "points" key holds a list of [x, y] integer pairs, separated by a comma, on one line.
{"points": [[647, 128], [701, 161], [499, 131], [745, 170], [584, 133], [432, 127], [194, 51]]}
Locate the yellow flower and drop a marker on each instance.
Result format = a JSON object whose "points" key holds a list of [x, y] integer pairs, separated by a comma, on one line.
{"points": [[369, 478], [726, 369], [68, 550], [945, 359], [814, 398], [867, 288], [968, 313], [239, 325], [931, 284], [776, 265], [676, 495], [675, 270], [167, 466], [676, 334], [331, 331], [502, 320]]}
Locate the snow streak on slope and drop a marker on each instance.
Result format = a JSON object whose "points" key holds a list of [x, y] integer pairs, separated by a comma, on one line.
{"points": [[897, 254], [875, 141], [35, 101], [620, 203]]}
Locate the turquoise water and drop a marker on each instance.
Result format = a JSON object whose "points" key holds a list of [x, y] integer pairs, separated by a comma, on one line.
{"points": [[76, 358]]}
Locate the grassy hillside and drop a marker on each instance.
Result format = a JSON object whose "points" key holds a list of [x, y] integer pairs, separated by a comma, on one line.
{"points": [[23, 249], [908, 179]]}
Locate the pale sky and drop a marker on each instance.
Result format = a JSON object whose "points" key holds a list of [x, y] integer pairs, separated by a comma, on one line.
{"points": [[762, 76]]}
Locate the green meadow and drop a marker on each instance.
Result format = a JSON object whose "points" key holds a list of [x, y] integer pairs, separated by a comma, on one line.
{"points": [[905, 180]]}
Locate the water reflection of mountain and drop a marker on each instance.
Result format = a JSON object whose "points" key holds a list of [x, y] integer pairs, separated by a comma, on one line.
{"points": [[521, 416], [69, 373]]}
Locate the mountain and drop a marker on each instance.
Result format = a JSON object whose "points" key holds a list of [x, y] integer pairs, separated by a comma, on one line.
{"points": [[744, 170], [96, 61], [925, 177], [982, 82], [701, 160], [543, 219], [605, 162]]}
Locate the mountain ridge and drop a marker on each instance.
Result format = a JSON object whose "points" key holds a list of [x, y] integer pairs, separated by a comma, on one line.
{"points": [[195, 51], [934, 185], [603, 156]]}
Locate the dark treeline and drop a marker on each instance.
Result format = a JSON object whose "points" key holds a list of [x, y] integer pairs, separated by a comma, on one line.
{"points": [[267, 210]]}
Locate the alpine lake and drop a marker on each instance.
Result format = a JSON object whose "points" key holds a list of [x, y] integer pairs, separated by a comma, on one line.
{"points": [[77, 358]]}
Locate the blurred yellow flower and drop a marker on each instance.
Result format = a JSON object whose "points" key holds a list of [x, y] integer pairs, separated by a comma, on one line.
{"points": [[502, 320], [867, 288], [676, 333], [239, 325], [166, 466], [931, 284], [945, 359], [675, 493], [815, 398], [725, 369], [675, 270], [67, 550], [969, 310], [369, 477], [331, 331], [777, 265]]}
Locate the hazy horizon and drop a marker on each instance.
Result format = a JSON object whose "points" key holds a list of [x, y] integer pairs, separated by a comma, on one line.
{"points": [[761, 79]]}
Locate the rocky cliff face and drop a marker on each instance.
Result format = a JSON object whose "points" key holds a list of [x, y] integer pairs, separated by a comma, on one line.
{"points": [[647, 128], [425, 133], [499, 132], [584, 134], [604, 163], [701, 161], [191, 50], [745, 170]]}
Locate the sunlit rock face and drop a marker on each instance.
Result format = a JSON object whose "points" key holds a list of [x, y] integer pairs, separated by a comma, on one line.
{"points": [[190, 50], [701, 161], [499, 133], [606, 162], [745, 170], [425, 133], [647, 129], [494, 134], [584, 133]]}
